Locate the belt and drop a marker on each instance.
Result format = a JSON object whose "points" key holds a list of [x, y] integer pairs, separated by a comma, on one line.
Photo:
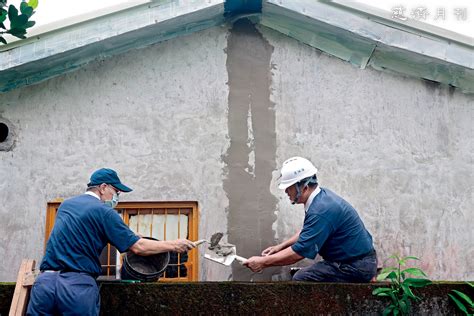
{"points": [[362, 256]]}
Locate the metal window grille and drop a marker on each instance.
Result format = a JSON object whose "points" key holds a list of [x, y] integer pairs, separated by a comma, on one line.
{"points": [[160, 220]]}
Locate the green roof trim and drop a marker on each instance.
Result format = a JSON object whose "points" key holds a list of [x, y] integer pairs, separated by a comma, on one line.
{"points": [[337, 42], [308, 22], [386, 58], [236, 7]]}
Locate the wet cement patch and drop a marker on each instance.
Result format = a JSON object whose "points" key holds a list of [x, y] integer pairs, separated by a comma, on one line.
{"points": [[250, 159]]}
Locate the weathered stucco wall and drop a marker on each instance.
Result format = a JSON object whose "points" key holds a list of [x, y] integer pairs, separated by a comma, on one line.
{"points": [[156, 115], [173, 120], [399, 149]]}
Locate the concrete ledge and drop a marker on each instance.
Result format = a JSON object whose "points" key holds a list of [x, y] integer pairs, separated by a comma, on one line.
{"points": [[238, 298]]}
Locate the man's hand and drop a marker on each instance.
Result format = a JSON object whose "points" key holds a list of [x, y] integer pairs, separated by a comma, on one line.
{"points": [[256, 264], [271, 250], [182, 245]]}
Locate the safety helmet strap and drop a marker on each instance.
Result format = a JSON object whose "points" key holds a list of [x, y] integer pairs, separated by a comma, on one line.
{"points": [[303, 185]]}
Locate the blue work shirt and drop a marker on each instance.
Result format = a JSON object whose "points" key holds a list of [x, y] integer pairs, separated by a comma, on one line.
{"points": [[333, 229], [83, 227]]}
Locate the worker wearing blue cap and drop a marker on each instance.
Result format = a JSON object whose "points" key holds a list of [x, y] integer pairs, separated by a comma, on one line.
{"points": [[84, 225]]}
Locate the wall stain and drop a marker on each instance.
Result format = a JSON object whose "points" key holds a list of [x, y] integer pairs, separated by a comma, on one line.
{"points": [[250, 159]]}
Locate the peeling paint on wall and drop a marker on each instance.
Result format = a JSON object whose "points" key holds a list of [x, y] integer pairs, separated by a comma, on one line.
{"points": [[250, 158]]}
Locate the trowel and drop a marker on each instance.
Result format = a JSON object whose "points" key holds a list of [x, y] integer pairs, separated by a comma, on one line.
{"points": [[222, 253]]}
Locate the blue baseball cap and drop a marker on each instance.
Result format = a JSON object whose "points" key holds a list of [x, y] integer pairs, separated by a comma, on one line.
{"points": [[107, 176]]}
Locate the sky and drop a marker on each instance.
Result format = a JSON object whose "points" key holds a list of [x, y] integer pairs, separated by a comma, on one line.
{"points": [[454, 15]]}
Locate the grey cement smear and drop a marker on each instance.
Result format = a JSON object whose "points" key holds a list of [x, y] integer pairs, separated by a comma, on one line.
{"points": [[250, 159]]}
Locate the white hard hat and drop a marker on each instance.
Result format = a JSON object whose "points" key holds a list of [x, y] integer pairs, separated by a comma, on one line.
{"points": [[294, 170]]}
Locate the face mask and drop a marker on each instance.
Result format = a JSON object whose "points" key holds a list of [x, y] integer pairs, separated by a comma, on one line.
{"points": [[113, 203]]}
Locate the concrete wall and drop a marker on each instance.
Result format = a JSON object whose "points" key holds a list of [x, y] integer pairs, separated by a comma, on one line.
{"points": [[398, 149], [158, 116], [174, 121]]}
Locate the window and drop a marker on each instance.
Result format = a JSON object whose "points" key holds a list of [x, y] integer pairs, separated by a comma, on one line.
{"points": [[161, 220]]}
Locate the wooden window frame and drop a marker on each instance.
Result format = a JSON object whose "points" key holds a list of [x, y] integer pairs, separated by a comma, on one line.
{"points": [[125, 209]]}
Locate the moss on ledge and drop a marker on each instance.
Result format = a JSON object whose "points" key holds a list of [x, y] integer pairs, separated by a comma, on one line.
{"points": [[237, 298], [240, 298]]}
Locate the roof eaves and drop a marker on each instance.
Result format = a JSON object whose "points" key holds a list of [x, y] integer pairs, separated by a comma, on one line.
{"points": [[362, 41], [69, 48]]}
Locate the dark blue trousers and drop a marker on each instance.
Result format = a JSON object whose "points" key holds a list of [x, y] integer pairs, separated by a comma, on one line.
{"points": [[64, 293], [357, 271]]}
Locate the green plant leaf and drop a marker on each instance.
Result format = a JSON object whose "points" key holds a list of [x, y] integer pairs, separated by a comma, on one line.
{"points": [[23, 6], [404, 307], [459, 304], [12, 12], [382, 276], [403, 261], [388, 269], [30, 24], [33, 3], [396, 257], [408, 291], [383, 295], [415, 272], [381, 290], [20, 33], [393, 274], [470, 284], [387, 275], [26, 9], [3, 15], [393, 296], [417, 282], [388, 310], [20, 22], [464, 297]]}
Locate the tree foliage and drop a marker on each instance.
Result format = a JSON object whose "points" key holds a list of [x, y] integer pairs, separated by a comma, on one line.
{"points": [[19, 18]]}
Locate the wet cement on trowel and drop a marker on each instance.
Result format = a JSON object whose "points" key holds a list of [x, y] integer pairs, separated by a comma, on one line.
{"points": [[220, 250], [251, 204]]}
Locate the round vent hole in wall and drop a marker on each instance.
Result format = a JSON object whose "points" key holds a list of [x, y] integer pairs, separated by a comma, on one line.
{"points": [[4, 130], [7, 135]]}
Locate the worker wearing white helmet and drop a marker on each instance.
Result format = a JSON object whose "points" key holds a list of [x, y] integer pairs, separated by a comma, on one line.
{"points": [[332, 228]]}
